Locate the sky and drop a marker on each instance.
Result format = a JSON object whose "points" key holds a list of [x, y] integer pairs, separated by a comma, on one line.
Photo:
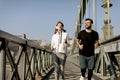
{"points": [[37, 18]]}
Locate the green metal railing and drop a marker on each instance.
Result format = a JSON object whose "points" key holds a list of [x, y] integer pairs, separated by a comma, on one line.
{"points": [[22, 59], [106, 61]]}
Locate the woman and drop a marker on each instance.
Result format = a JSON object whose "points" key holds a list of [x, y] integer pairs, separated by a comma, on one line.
{"points": [[59, 46]]}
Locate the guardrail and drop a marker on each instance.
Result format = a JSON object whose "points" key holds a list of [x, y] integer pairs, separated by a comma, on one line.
{"points": [[106, 61], [22, 59], [106, 58]]}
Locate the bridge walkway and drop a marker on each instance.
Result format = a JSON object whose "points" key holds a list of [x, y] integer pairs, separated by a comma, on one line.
{"points": [[72, 72]]}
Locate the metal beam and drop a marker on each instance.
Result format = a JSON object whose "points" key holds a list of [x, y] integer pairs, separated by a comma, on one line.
{"points": [[81, 13]]}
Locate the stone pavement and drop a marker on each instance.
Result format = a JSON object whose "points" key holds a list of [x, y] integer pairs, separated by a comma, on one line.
{"points": [[72, 72]]}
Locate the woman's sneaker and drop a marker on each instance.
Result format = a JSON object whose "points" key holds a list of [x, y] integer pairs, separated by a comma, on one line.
{"points": [[82, 78]]}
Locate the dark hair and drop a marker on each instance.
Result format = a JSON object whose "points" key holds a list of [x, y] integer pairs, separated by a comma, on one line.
{"points": [[89, 20], [62, 26], [55, 31], [60, 23]]}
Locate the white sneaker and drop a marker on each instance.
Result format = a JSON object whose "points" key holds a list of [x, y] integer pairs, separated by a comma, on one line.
{"points": [[82, 78]]}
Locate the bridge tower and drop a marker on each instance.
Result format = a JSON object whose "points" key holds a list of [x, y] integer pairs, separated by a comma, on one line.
{"points": [[107, 28]]}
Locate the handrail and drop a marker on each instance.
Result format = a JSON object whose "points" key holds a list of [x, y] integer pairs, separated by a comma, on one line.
{"points": [[103, 57], [111, 40], [11, 37], [22, 59]]}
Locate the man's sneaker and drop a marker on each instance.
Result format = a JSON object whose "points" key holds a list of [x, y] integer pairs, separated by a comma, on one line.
{"points": [[82, 78]]}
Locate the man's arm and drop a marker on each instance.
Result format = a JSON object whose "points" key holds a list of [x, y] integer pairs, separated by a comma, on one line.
{"points": [[79, 45], [96, 43]]}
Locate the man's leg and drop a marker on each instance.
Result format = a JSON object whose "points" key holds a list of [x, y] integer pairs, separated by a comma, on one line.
{"points": [[83, 72], [91, 64], [82, 66], [90, 73]]}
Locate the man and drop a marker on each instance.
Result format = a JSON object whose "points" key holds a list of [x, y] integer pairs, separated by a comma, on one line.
{"points": [[87, 41]]}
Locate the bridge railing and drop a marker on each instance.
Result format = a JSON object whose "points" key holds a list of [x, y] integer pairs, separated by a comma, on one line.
{"points": [[106, 60], [22, 59]]}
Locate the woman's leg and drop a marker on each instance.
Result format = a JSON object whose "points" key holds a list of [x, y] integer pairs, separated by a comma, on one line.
{"points": [[56, 66], [62, 64]]}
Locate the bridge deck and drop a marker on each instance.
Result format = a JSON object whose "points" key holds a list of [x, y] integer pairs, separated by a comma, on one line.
{"points": [[72, 72]]}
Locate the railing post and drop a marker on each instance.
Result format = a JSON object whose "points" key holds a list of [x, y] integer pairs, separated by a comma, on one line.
{"points": [[33, 64], [2, 61], [103, 65], [2, 65], [23, 62]]}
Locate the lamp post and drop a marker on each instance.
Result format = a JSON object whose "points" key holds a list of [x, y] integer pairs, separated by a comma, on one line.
{"points": [[107, 29]]}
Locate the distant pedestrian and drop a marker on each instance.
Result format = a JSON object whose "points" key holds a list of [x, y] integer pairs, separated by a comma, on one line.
{"points": [[59, 44], [87, 41]]}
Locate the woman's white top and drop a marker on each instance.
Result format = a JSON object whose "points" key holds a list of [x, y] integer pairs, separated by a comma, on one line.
{"points": [[58, 43]]}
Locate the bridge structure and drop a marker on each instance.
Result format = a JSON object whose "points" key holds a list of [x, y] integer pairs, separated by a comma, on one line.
{"points": [[23, 59]]}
